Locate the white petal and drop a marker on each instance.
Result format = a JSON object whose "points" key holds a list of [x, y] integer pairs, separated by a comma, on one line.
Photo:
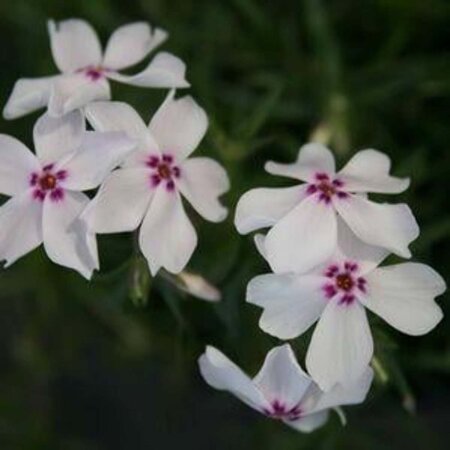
{"points": [[281, 378], [164, 71], [341, 346], [303, 238], [98, 155], [368, 171], [389, 226], [202, 182], [221, 373], [167, 237], [74, 44], [70, 92], [312, 159], [260, 244], [28, 95], [309, 423], [120, 203], [20, 227], [16, 165], [55, 138], [179, 125], [264, 207], [403, 295], [130, 44], [291, 303]]}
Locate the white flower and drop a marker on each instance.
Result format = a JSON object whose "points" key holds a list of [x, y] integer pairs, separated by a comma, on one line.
{"points": [[85, 70], [148, 189], [46, 189], [336, 294], [281, 390], [304, 217]]}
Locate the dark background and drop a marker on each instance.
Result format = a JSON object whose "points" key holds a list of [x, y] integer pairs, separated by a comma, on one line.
{"points": [[88, 366]]}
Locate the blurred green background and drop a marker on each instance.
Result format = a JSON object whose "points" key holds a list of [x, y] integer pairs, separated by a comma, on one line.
{"points": [[93, 366]]}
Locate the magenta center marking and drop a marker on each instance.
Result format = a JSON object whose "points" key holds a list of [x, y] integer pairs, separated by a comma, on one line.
{"points": [[48, 182], [163, 170], [94, 73], [326, 188], [280, 411]]}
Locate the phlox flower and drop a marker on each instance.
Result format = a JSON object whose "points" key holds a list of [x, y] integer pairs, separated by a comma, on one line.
{"points": [[147, 191], [336, 294], [85, 69], [282, 390], [304, 217], [45, 189]]}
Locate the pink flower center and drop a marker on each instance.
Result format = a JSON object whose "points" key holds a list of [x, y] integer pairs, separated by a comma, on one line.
{"points": [[279, 411], [326, 188], [47, 182], [94, 73], [163, 170], [344, 283]]}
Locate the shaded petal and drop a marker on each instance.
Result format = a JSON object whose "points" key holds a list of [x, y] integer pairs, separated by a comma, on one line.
{"points": [[20, 227], [179, 125], [341, 346], [221, 373], [130, 44], [120, 203], [70, 92], [368, 171], [17, 163], [93, 161], [307, 424], [291, 303], [55, 138], [167, 237], [303, 238], [389, 226], [312, 159], [74, 45], [264, 207], [202, 182], [403, 295], [66, 241], [164, 71], [28, 95], [260, 244]]}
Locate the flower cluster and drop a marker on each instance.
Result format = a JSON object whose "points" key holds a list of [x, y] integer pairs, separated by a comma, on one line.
{"points": [[141, 172], [325, 243]]}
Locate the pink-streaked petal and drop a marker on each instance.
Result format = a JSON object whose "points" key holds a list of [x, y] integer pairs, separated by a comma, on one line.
{"points": [[303, 238], [392, 227], [167, 238], [403, 295], [202, 182], [74, 45], [130, 44], [368, 171], [309, 423], [264, 207], [312, 159]]}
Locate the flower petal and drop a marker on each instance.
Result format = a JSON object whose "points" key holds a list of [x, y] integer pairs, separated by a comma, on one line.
{"points": [[167, 237], [179, 125], [264, 207], [312, 159], [341, 346], [281, 378], [303, 238], [57, 137], [164, 71], [389, 226], [28, 95], [70, 92], [202, 182], [368, 171], [403, 295], [16, 165], [309, 423], [98, 155], [221, 373], [66, 241], [74, 44], [121, 202], [130, 44], [291, 303], [20, 227]]}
